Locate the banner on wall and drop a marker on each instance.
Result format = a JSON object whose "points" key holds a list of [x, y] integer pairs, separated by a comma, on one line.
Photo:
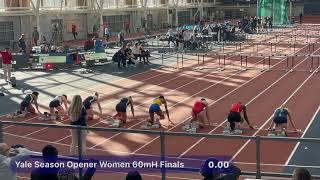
{"points": [[46, 58], [277, 9], [95, 56]]}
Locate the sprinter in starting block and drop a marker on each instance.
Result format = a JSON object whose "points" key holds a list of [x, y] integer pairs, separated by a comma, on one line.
{"points": [[26, 104], [121, 117], [200, 115], [56, 104], [235, 120], [155, 109], [280, 119], [87, 103]]}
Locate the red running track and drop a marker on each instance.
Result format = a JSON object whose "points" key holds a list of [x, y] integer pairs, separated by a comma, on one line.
{"points": [[262, 91]]}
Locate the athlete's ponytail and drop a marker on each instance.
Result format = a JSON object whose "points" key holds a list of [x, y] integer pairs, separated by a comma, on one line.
{"points": [[65, 96], [35, 93]]}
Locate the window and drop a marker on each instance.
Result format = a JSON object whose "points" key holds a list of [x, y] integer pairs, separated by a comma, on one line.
{"points": [[6, 32]]}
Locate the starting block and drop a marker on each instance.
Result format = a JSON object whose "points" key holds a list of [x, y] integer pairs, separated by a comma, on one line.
{"points": [[273, 133], [17, 114], [191, 127], [116, 123], [46, 116], [227, 130], [147, 125]]}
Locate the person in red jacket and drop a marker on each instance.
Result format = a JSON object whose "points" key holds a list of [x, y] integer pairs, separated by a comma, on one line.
{"points": [[200, 112], [235, 118], [6, 64]]}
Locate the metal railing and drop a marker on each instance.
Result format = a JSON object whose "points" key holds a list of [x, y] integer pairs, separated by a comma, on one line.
{"points": [[162, 134]]}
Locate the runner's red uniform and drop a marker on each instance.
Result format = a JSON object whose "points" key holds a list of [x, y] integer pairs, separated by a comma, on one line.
{"points": [[198, 107], [236, 107]]}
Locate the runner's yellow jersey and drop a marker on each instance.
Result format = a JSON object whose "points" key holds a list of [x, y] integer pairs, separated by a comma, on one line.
{"points": [[157, 101]]}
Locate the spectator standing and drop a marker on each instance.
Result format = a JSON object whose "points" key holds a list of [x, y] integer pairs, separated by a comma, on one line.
{"points": [[179, 41], [89, 44], [8, 158], [301, 18], [106, 33], [49, 155], [35, 36], [254, 24], [301, 174], [6, 64], [74, 31], [133, 175], [171, 35], [120, 57], [127, 26], [22, 44], [270, 23], [121, 38], [78, 116]]}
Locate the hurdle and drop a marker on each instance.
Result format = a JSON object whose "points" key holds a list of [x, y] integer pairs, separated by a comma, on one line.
{"points": [[222, 58], [315, 61], [197, 59], [289, 60], [246, 63], [171, 62]]}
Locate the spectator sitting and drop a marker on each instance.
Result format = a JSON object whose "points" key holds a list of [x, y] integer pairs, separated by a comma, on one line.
{"points": [[49, 155], [8, 158], [89, 44], [210, 173], [136, 51], [130, 55], [205, 31], [133, 175], [53, 49], [60, 49], [301, 174], [69, 174], [145, 54]]}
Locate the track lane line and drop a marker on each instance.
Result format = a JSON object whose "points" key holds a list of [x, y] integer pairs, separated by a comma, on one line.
{"points": [[221, 124], [304, 133], [288, 72], [175, 105], [214, 102], [197, 79], [266, 122]]}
